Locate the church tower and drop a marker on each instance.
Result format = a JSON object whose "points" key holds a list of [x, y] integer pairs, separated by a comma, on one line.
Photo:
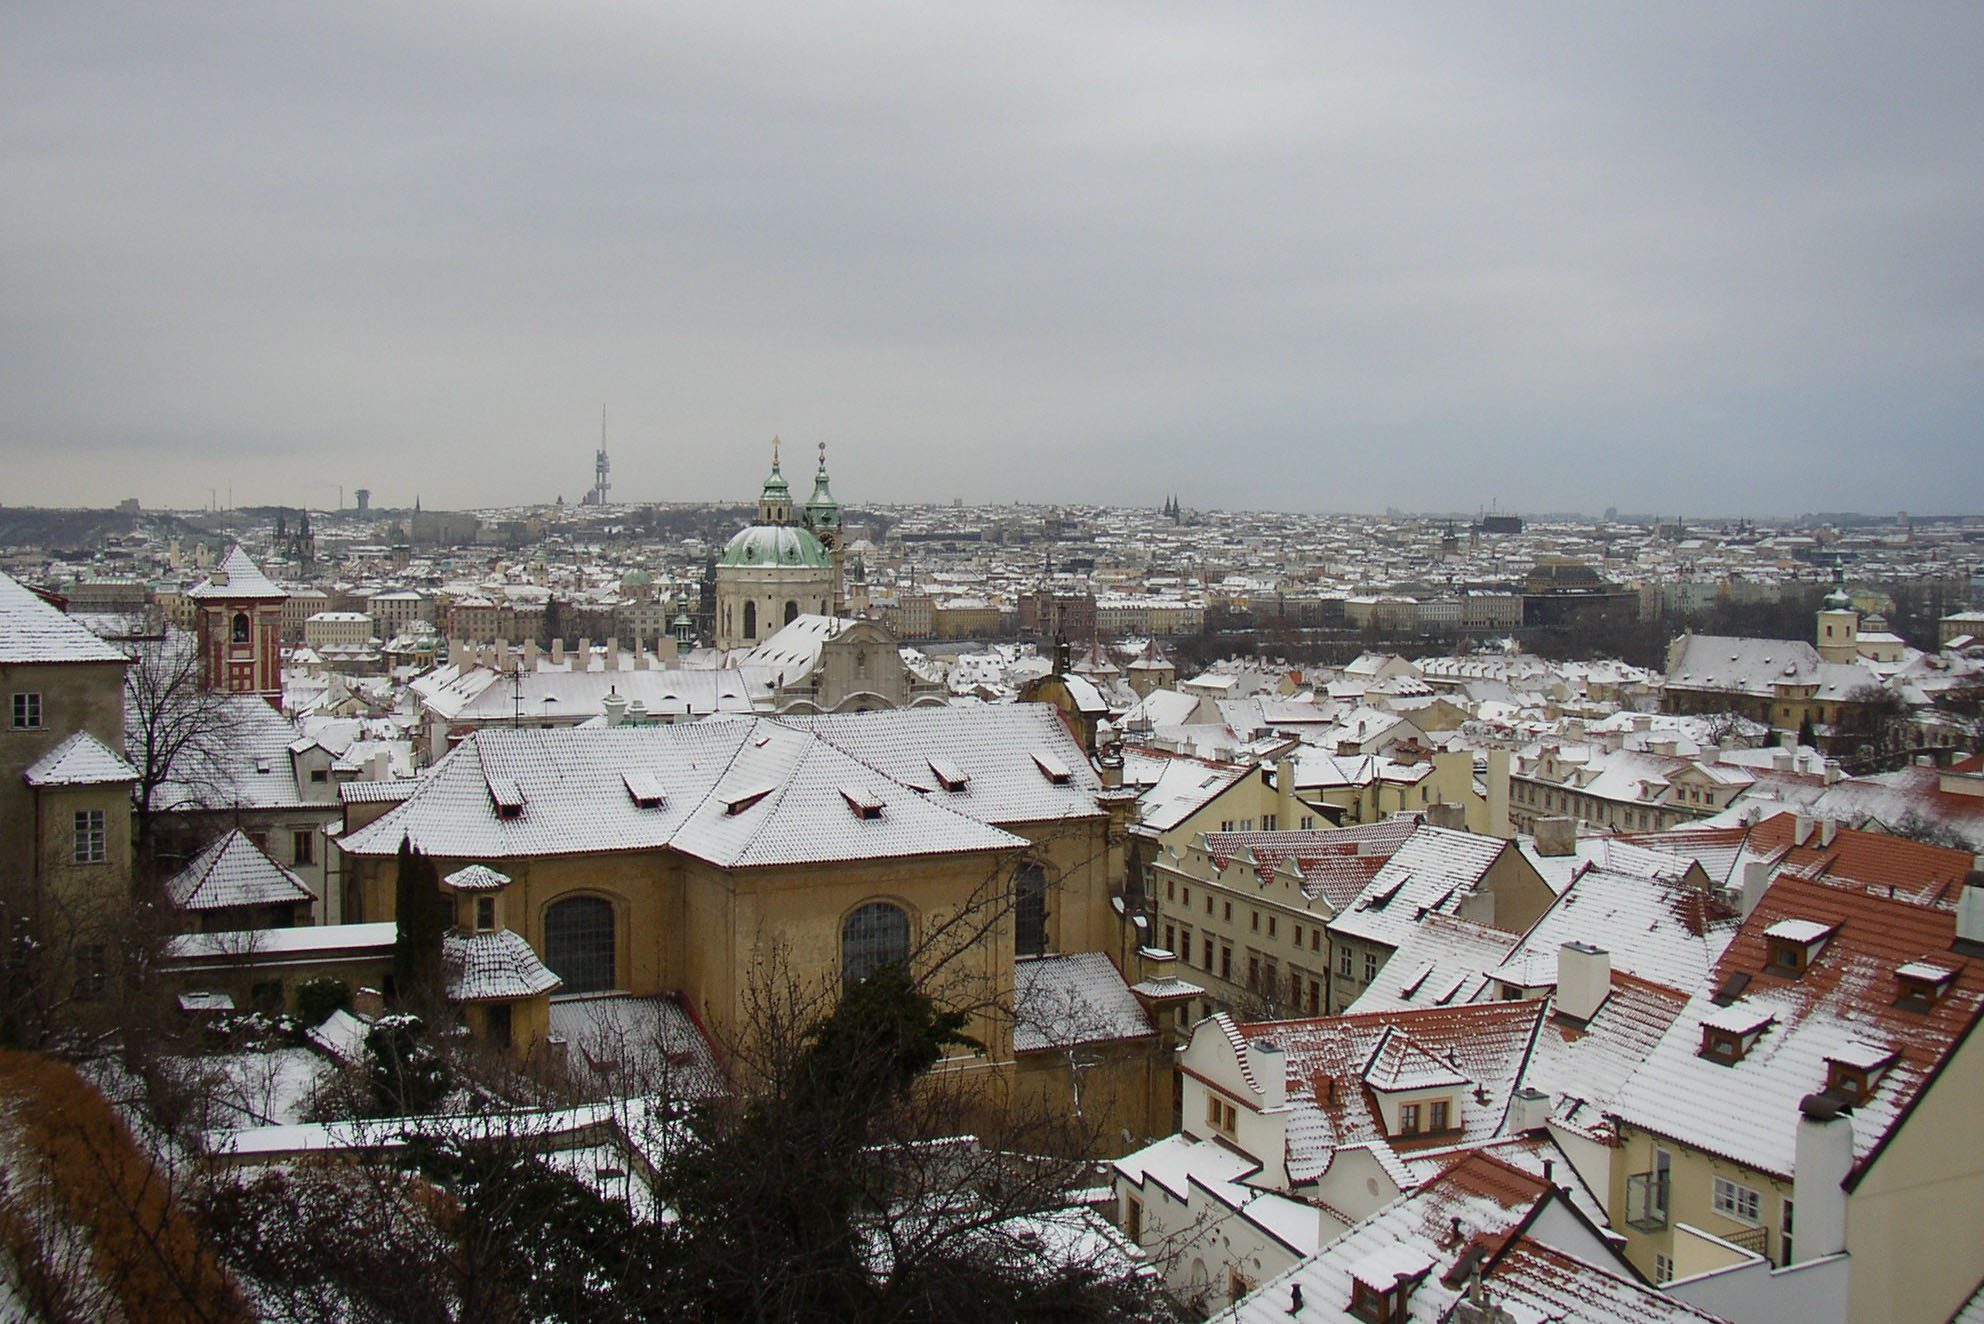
{"points": [[822, 519], [238, 623]]}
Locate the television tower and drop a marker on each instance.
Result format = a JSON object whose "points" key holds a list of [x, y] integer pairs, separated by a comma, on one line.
{"points": [[600, 466]]}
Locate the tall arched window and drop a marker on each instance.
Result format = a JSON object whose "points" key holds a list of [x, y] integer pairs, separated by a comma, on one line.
{"points": [[750, 620], [791, 611], [1030, 910], [240, 627], [578, 943], [875, 935]]}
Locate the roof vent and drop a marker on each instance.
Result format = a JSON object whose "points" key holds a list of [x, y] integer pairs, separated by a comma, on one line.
{"points": [[644, 788], [738, 803], [949, 775], [1053, 769], [864, 802], [1922, 984], [507, 796]]}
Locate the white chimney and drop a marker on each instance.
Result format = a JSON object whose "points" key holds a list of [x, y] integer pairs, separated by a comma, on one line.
{"points": [[1832, 772], [1270, 1067], [530, 655], [1828, 829], [1801, 829], [1584, 978], [615, 707], [1970, 909], [1781, 759], [558, 652], [1823, 1158], [613, 653], [1756, 881], [1529, 1110]]}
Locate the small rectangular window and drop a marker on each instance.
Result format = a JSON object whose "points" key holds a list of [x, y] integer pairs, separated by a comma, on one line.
{"points": [[27, 712], [1271, 920], [1170, 889], [1408, 1119], [303, 847], [1436, 1115], [1370, 966], [1343, 963], [485, 914], [1226, 963], [89, 841]]}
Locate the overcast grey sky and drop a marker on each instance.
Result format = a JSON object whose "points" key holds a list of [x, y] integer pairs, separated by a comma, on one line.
{"points": [[1705, 258]]}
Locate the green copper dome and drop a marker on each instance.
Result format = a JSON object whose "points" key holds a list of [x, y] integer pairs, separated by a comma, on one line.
{"points": [[776, 545]]}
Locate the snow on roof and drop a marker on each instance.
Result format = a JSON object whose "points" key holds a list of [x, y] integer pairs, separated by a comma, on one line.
{"points": [[238, 577], [477, 878], [1656, 928], [493, 967], [1078, 998], [1397, 1064], [310, 941], [1747, 1110], [33, 630], [1183, 787], [743, 793], [1001, 740], [1325, 1059], [1798, 930], [80, 760], [1434, 870], [233, 871], [637, 1044], [1443, 961]]}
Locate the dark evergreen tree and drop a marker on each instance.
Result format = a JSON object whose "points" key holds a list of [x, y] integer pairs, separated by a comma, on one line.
{"points": [[421, 912]]}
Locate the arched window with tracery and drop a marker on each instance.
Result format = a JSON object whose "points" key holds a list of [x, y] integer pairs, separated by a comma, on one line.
{"points": [[873, 936], [579, 943]]}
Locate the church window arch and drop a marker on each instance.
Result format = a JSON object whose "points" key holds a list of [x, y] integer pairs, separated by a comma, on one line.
{"points": [[872, 936], [240, 627], [750, 620], [580, 943], [791, 611]]}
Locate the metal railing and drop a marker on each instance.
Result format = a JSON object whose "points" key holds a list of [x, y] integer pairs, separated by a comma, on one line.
{"points": [[1646, 1201]]}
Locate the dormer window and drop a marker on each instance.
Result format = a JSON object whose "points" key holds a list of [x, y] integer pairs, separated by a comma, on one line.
{"points": [[1793, 944], [1922, 984], [1729, 1034], [1854, 1070], [1053, 769], [1382, 1283]]}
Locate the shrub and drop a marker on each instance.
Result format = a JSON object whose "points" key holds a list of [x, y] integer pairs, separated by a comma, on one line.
{"points": [[317, 998]]}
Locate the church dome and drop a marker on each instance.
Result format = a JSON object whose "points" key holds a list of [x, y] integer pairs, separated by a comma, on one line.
{"points": [[775, 545]]}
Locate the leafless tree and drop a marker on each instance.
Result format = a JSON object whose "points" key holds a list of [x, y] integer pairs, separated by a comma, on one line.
{"points": [[176, 734]]}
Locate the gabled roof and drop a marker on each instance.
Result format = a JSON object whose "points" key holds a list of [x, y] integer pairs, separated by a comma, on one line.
{"points": [[1336, 864], [234, 871], [80, 760], [1486, 1044], [1443, 962], [1747, 1110], [33, 630]]}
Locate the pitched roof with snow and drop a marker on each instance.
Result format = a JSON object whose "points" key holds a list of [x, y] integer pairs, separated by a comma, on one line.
{"points": [[1433, 871], [1747, 1109], [742, 793], [80, 760], [1657, 928], [1443, 962], [33, 630], [238, 578], [1336, 864], [1079, 998], [1326, 1060], [234, 871], [1480, 1212]]}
